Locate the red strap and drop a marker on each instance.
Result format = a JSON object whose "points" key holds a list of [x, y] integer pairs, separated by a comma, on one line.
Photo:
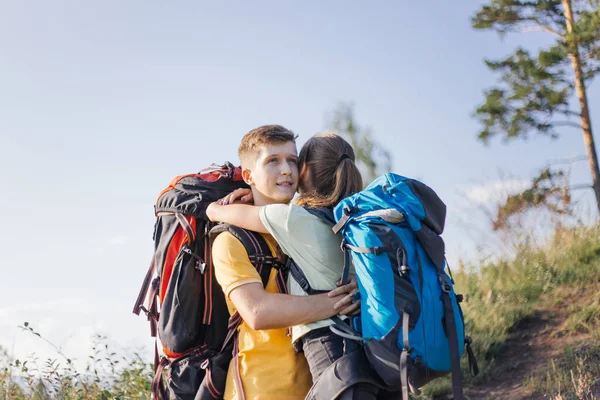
{"points": [[152, 312], [158, 386], [281, 284], [208, 277], [144, 290], [232, 328], [236, 371]]}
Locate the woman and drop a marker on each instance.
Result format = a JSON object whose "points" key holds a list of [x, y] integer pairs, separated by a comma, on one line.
{"points": [[328, 174]]}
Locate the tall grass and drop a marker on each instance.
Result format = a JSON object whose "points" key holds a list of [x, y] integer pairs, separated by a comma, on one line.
{"points": [[497, 296], [107, 375], [500, 294]]}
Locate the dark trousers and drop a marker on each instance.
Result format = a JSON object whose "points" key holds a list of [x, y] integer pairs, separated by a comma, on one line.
{"points": [[322, 348]]}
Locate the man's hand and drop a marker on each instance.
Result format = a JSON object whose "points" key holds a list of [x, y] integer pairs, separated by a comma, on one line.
{"points": [[349, 304]]}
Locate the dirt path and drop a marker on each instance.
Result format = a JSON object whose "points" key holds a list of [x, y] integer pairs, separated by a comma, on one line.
{"points": [[534, 342]]}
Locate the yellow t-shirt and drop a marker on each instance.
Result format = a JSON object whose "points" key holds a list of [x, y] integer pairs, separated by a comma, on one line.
{"points": [[269, 367]]}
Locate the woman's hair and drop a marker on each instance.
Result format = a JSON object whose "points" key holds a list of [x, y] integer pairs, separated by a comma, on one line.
{"points": [[332, 174]]}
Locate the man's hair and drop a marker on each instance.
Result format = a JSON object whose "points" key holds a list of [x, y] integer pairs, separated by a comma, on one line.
{"points": [[264, 135]]}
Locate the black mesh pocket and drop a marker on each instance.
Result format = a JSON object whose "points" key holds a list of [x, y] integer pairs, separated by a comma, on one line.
{"points": [[180, 323], [185, 377]]}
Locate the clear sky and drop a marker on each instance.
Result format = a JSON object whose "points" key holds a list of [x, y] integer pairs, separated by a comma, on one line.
{"points": [[102, 103]]}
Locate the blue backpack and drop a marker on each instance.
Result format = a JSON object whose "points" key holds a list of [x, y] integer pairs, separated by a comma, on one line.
{"points": [[410, 322]]}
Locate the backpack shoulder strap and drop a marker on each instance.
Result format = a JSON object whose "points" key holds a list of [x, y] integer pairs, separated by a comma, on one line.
{"points": [[324, 213], [261, 257], [258, 251]]}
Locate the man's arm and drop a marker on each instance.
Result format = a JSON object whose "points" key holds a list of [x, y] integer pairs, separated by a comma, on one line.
{"points": [[264, 310], [242, 284]]}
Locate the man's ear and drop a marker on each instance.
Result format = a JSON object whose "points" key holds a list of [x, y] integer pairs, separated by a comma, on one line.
{"points": [[247, 176]]}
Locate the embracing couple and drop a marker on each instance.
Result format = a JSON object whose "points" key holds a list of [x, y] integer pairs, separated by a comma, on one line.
{"points": [[271, 361]]}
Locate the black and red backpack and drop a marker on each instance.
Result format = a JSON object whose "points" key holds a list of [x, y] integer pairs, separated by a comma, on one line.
{"points": [[185, 304]]}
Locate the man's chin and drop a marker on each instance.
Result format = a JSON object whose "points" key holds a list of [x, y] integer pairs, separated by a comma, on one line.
{"points": [[285, 200], [284, 197]]}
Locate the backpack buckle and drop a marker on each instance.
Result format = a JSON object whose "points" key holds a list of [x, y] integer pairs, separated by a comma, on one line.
{"points": [[200, 266], [446, 287], [350, 210]]}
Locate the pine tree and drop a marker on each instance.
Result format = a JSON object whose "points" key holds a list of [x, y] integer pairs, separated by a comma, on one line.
{"points": [[535, 92]]}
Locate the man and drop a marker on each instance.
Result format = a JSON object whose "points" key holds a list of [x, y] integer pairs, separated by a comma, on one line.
{"points": [[266, 367]]}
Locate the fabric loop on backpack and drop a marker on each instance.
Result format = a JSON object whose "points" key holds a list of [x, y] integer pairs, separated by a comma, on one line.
{"points": [[158, 388], [473, 367], [404, 373], [341, 328], [390, 215], [338, 227], [186, 225], [377, 250], [346, 268], [405, 321], [404, 355]]}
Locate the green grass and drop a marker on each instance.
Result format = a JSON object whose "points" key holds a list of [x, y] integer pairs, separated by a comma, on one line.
{"points": [[574, 375], [501, 294], [498, 295], [106, 376], [584, 317]]}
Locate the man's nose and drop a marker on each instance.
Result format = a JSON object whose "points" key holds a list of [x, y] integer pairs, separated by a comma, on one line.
{"points": [[286, 169]]}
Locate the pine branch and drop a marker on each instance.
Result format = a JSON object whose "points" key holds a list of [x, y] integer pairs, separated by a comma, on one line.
{"points": [[570, 112], [566, 160], [591, 54], [541, 28], [582, 186], [566, 123]]}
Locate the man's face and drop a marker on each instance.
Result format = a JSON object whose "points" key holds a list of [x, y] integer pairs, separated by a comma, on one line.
{"points": [[274, 177]]}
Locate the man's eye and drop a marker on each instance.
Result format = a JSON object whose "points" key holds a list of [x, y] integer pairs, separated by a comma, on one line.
{"points": [[293, 160]]}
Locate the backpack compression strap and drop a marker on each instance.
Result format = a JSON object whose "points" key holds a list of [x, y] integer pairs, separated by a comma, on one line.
{"points": [[449, 320]]}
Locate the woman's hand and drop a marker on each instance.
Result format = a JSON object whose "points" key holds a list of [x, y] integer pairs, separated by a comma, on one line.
{"points": [[243, 195], [350, 304]]}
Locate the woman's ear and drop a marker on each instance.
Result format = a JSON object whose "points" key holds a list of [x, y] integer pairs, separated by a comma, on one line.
{"points": [[247, 176]]}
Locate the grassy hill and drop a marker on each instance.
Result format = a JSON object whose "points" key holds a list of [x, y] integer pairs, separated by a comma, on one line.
{"points": [[534, 320]]}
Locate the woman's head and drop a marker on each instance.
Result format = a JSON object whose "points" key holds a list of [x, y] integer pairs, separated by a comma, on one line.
{"points": [[327, 171]]}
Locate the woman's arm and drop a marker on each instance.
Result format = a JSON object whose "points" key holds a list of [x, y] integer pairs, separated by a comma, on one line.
{"points": [[242, 215]]}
